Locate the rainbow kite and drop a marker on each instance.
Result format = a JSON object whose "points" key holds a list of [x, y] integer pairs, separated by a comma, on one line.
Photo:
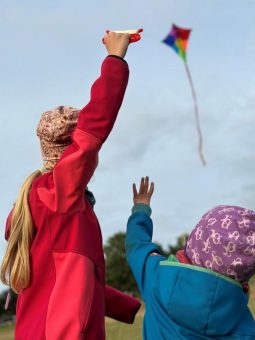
{"points": [[177, 38]]}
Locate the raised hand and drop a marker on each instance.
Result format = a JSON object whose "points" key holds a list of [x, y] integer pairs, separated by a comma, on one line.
{"points": [[145, 191], [116, 43]]}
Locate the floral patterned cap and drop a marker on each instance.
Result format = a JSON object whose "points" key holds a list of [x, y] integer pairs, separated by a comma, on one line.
{"points": [[224, 241], [54, 130]]}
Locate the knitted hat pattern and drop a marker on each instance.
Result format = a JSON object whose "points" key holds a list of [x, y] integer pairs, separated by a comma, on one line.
{"points": [[54, 131], [224, 241]]}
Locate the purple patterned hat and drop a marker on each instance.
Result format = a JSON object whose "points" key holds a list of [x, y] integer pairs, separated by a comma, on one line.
{"points": [[224, 241]]}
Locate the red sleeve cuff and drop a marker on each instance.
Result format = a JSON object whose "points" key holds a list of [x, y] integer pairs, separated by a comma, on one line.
{"points": [[116, 56], [120, 306]]}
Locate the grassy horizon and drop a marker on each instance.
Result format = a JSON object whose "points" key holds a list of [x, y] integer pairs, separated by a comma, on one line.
{"points": [[117, 330], [114, 330]]}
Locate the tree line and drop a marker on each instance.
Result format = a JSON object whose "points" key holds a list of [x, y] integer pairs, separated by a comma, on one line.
{"points": [[118, 273]]}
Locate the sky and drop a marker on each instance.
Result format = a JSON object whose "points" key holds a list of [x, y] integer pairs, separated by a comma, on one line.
{"points": [[51, 52]]}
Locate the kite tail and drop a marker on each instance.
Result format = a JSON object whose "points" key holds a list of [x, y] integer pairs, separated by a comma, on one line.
{"points": [[200, 137]]}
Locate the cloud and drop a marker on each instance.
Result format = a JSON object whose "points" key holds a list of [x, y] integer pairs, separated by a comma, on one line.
{"points": [[166, 150], [50, 55]]}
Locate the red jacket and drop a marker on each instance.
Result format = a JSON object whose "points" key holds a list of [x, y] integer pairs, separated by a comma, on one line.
{"points": [[66, 296]]}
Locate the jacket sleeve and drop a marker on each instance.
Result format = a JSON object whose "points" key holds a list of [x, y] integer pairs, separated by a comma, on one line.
{"points": [[95, 122], [139, 247], [120, 306]]}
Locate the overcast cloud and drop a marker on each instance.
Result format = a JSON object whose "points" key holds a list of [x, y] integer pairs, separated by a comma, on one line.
{"points": [[51, 53]]}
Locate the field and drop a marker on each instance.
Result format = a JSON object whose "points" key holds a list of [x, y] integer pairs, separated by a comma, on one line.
{"points": [[116, 330], [6, 333]]}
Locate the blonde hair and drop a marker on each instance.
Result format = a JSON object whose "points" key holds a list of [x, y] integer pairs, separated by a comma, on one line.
{"points": [[15, 268]]}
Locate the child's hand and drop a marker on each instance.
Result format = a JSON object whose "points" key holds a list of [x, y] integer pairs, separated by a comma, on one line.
{"points": [[116, 43], [145, 193]]}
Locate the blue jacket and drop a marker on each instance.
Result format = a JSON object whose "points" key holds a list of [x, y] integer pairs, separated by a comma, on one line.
{"points": [[183, 301]]}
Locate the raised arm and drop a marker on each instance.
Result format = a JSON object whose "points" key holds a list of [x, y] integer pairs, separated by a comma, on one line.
{"points": [[139, 248], [73, 171]]}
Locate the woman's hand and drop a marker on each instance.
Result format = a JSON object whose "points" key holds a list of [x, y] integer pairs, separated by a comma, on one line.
{"points": [[145, 191], [116, 43]]}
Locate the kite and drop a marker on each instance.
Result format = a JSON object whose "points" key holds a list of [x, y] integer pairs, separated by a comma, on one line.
{"points": [[177, 38]]}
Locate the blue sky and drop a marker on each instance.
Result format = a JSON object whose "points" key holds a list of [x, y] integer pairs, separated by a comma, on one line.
{"points": [[51, 53]]}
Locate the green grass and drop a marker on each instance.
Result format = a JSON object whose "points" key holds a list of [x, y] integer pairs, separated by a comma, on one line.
{"points": [[114, 330], [119, 331], [6, 332]]}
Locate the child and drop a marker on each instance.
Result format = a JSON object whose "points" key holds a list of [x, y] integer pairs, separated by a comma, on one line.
{"points": [[54, 258], [198, 293]]}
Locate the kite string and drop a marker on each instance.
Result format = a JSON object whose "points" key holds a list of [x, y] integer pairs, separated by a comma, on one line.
{"points": [[200, 143]]}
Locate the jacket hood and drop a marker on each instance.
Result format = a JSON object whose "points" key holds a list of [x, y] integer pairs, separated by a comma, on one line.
{"points": [[204, 301]]}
